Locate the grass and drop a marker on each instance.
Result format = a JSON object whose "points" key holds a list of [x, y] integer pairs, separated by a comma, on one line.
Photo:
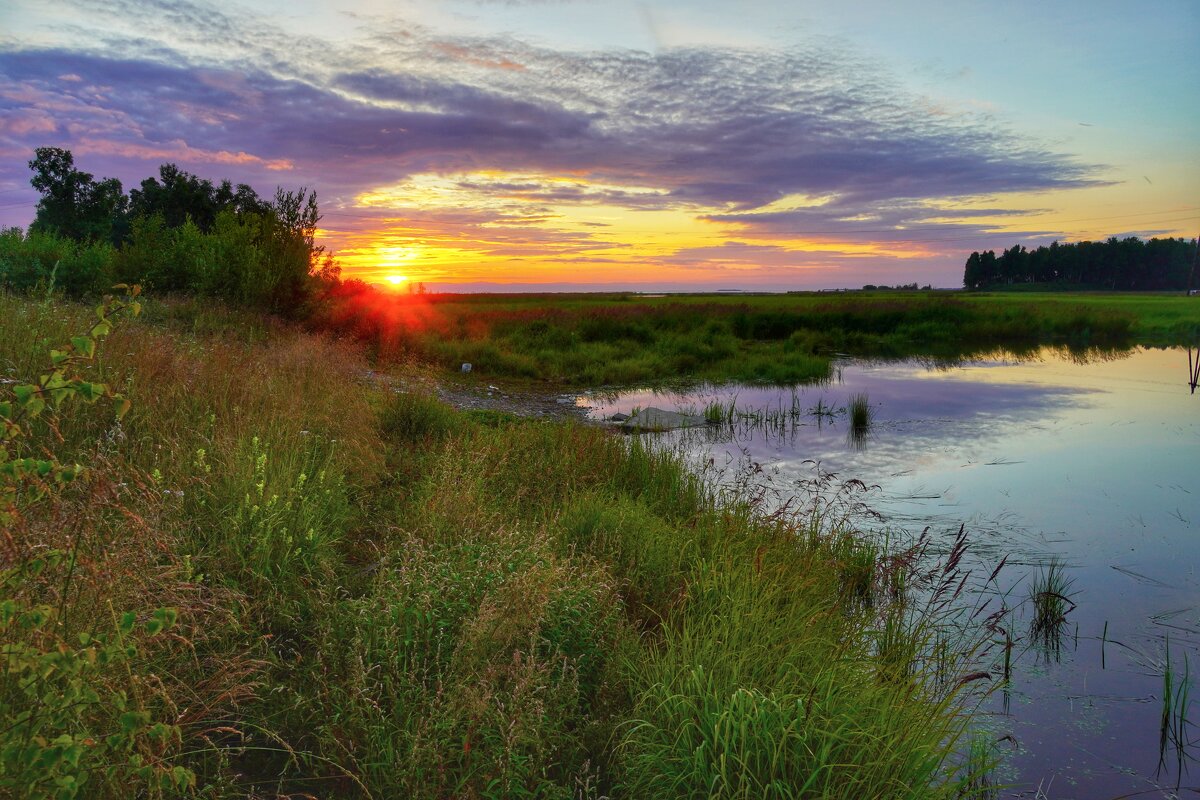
{"points": [[622, 339], [981, 762], [1176, 700], [379, 596], [1050, 595], [861, 415]]}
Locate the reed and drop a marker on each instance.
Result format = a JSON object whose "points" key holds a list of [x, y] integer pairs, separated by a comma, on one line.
{"points": [[860, 416], [1050, 599], [1176, 702], [980, 764]]}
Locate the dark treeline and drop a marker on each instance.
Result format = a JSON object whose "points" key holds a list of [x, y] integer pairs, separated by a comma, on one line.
{"points": [[1127, 264], [174, 233]]}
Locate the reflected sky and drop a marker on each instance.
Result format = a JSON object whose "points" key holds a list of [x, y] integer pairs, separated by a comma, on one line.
{"points": [[1096, 461]]}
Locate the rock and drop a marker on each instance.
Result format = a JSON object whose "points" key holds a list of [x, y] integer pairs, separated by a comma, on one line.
{"points": [[618, 417], [466, 367], [658, 419]]}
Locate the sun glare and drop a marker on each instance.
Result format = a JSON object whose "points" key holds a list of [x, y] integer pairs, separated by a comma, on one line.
{"points": [[396, 279]]}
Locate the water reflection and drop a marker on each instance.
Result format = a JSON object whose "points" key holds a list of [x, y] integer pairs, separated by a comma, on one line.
{"points": [[1085, 457]]}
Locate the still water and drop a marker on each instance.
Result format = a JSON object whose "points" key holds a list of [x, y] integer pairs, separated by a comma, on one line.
{"points": [[1094, 462]]}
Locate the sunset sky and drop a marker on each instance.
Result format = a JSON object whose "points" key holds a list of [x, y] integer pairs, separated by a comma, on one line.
{"points": [[653, 144]]}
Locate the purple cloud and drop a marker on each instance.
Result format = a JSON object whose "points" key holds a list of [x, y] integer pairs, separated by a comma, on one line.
{"points": [[713, 130]]}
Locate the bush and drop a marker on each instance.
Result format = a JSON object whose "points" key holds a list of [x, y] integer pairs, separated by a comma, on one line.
{"points": [[40, 259]]}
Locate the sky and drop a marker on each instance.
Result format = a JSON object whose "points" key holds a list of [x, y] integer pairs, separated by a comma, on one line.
{"points": [[633, 144]]}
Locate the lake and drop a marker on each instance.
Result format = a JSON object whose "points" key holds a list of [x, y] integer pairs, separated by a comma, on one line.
{"points": [[1092, 461]]}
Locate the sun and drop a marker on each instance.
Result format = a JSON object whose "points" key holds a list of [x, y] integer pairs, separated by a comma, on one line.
{"points": [[396, 279]]}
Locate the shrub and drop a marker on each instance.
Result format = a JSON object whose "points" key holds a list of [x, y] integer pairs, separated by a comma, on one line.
{"points": [[41, 259]]}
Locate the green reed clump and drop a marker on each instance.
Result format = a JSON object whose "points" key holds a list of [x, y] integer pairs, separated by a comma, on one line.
{"points": [[718, 413], [1050, 594], [759, 688], [860, 413], [861, 417]]}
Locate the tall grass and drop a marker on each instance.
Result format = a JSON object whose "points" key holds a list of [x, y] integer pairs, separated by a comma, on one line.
{"points": [[381, 597]]}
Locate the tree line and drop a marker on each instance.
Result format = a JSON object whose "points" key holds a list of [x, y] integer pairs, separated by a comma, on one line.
{"points": [[176, 232], [1124, 264]]}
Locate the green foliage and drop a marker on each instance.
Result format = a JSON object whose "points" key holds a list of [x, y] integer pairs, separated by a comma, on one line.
{"points": [[177, 233], [64, 728], [641, 548], [179, 197], [598, 340], [861, 417], [42, 259], [474, 670], [252, 259], [1116, 264], [443, 604], [73, 204], [285, 524], [24, 480], [760, 688], [65, 724], [1050, 594]]}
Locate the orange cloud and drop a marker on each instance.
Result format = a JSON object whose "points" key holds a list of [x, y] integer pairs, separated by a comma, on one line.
{"points": [[460, 53]]}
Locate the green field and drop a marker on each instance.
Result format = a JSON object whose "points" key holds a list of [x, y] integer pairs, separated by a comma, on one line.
{"points": [[593, 340]]}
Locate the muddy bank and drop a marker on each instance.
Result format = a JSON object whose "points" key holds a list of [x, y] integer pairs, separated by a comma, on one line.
{"points": [[503, 397]]}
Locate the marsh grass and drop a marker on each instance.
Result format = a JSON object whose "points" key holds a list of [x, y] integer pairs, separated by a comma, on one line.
{"points": [[861, 414], [979, 767], [1174, 725], [861, 417], [381, 597], [598, 340], [784, 417], [1050, 593]]}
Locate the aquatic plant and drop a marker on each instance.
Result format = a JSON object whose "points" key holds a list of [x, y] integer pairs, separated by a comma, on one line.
{"points": [[861, 417], [1176, 699], [979, 764], [1050, 597]]}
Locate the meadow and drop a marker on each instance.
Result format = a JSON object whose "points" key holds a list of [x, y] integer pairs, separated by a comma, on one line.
{"points": [[273, 577], [622, 339]]}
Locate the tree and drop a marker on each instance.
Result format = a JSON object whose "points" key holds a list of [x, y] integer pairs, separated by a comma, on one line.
{"points": [[973, 273], [73, 203], [1122, 264], [179, 196]]}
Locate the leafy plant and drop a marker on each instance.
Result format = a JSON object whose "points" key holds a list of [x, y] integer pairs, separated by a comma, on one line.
{"points": [[29, 477], [57, 700], [65, 716]]}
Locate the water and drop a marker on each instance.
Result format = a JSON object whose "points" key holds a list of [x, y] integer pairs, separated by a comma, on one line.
{"points": [[1094, 462]]}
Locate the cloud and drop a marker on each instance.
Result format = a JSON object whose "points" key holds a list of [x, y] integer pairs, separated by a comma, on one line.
{"points": [[732, 135]]}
